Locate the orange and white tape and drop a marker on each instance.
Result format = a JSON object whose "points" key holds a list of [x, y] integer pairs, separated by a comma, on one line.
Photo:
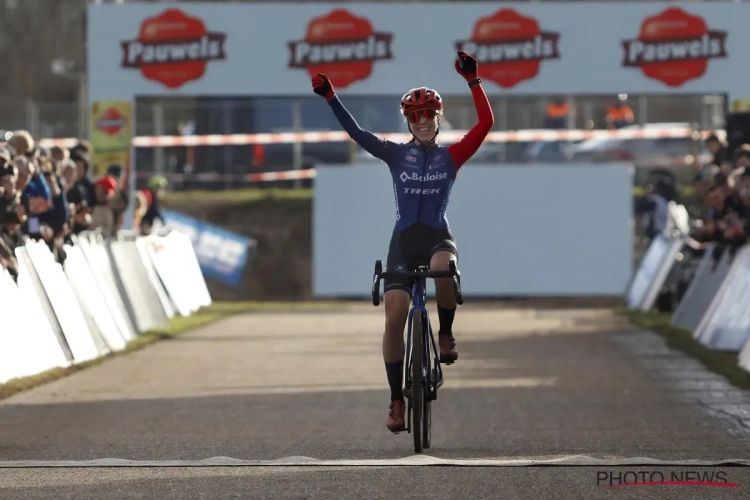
{"points": [[287, 175], [448, 136], [309, 173]]}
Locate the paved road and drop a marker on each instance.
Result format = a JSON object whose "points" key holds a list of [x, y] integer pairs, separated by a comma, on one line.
{"points": [[529, 385]]}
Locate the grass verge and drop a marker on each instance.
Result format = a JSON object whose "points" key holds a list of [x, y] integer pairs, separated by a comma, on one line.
{"points": [[724, 363], [178, 325]]}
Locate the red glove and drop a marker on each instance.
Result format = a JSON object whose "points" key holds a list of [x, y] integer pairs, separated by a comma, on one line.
{"points": [[466, 66], [322, 86]]}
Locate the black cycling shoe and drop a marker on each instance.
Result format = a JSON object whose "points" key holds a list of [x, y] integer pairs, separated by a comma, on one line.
{"points": [[448, 352]]}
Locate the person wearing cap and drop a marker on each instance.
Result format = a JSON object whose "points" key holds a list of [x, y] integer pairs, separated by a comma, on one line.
{"points": [[102, 216]]}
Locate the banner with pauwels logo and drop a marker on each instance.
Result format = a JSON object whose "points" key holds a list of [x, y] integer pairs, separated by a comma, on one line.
{"points": [[111, 135], [379, 49]]}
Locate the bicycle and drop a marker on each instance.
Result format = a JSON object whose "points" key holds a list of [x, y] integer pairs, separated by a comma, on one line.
{"points": [[423, 370]]}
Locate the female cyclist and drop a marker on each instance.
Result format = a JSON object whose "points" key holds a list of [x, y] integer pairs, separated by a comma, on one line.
{"points": [[423, 174]]}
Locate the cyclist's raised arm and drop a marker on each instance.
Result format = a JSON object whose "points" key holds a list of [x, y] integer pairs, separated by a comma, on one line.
{"points": [[376, 146], [464, 149]]}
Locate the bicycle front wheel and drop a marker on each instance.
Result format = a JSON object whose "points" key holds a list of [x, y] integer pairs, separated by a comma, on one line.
{"points": [[417, 380]]}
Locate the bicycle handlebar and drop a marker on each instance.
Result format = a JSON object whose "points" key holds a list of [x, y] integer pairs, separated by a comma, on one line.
{"points": [[423, 274], [451, 273]]}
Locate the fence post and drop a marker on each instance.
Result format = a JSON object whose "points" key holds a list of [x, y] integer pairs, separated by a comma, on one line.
{"points": [[297, 148], [32, 118], [83, 107], [158, 117], [642, 110]]}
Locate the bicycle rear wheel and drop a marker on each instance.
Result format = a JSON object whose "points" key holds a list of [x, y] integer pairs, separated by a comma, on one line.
{"points": [[417, 380]]}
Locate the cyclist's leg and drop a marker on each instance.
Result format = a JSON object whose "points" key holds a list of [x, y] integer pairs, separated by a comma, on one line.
{"points": [[444, 252], [396, 301]]}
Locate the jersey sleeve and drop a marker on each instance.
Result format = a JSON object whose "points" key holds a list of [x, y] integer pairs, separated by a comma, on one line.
{"points": [[378, 147], [469, 144]]}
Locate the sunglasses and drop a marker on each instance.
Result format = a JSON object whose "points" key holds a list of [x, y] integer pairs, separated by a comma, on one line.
{"points": [[415, 116]]}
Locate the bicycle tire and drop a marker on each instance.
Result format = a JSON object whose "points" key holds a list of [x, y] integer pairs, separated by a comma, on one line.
{"points": [[427, 425], [417, 385], [427, 411]]}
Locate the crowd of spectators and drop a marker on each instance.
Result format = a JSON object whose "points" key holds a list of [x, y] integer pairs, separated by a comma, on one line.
{"points": [[51, 195], [722, 194], [723, 189]]}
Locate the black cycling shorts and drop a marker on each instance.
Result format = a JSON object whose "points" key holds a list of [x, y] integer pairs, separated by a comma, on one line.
{"points": [[415, 246]]}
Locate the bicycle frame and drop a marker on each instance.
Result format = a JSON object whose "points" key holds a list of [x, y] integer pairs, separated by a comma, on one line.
{"points": [[419, 306]]}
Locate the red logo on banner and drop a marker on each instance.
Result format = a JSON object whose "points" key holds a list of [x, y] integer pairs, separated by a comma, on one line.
{"points": [[510, 47], [173, 49], [341, 45], [110, 122], [674, 47]]}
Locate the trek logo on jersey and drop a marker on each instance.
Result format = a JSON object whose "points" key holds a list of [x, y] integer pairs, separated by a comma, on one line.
{"points": [[413, 151], [422, 191], [411, 158], [416, 177], [674, 47], [173, 49], [510, 47], [341, 45]]}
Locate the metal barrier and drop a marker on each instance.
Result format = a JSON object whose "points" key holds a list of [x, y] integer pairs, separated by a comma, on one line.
{"points": [[107, 293], [714, 306]]}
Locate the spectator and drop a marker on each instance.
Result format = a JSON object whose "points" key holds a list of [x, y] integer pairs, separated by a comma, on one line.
{"points": [[704, 179], [83, 148], [742, 156], [718, 149], [102, 216], [156, 186], [141, 206], [121, 199], [56, 218], [35, 196], [656, 209], [20, 143], [9, 213], [558, 114], [59, 155], [619, 115], [83, 166]]}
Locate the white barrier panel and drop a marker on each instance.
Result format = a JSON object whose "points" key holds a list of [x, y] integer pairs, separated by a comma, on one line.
{"points": [[103, 270], [673, 248], [109, 296], [727, 324], [28, 345], [191, 266], [703, 287], [153, 278], [91, 298], [63, 301], [647, 270], [148, 312], [562, 230], [175, 262], [54, 312]]}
